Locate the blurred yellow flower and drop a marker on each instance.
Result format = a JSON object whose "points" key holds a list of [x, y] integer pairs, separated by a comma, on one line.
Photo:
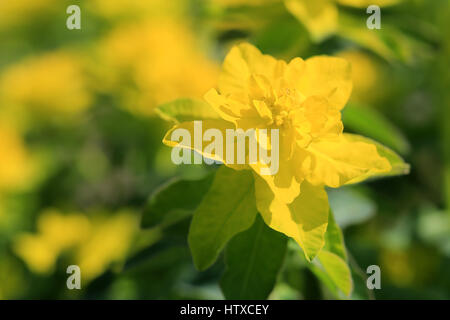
{"points": [[53, 84], [39, 255], [302, 99], [367, 75], [153, 62], [109, 243], [95, 243], [138, 8], [16, 166]]}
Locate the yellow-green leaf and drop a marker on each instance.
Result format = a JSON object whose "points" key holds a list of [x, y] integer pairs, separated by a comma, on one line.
{"points": [[399, 166], [334, 271], [227, 209], [183, 110]]}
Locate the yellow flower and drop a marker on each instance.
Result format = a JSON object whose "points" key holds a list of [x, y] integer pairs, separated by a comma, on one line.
{"points": [[56, 233], [367, 75], [109, 243], [95, 242], [303, 99], [53, 84], [16, 166], [138, 8], [150, 63]]}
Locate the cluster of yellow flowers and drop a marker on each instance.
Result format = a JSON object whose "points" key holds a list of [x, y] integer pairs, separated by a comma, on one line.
{"points": [[53, 84], [94, 242], [156, 57], [15, 166]]}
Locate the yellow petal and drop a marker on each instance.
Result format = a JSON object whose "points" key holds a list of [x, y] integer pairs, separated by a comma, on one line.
{"points": [[242, 115], [241, 62], [320, 17], [328, 77], [284, 184], [305, 219], [338, 161]]}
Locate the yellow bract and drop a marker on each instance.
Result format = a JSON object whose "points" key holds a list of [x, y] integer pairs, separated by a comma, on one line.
{"points": [[302, 99]]}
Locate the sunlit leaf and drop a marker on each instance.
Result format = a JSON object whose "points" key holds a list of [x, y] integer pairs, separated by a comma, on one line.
{"points": [[399, 166], [182, 110], [334, 240], [227, 209], [330, 265]]}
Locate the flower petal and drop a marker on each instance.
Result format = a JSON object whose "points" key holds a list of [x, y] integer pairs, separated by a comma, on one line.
{"points": [[335, 162], [242, 115], [305, 219], [283, 184], [241, 62], [324, 76]]}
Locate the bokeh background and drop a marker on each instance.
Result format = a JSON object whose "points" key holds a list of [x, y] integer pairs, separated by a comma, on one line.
{"points": [[81, 151]]}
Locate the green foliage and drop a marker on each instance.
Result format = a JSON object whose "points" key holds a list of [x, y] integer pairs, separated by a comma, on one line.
{"points": [[174, 201], [182, 110], [253, 259], [227, 209], [331, 266]]}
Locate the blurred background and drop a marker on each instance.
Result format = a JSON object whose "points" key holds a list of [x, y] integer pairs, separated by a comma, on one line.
{"points": [[81, 151]]}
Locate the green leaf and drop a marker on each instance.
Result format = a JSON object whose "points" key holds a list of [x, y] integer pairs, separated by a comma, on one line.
{"points": [[334, 240], [174, 201], [182, 110], [330, 265], [369, 122], [334, 272], [399, 166], [253, 260], [227, 209]]}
